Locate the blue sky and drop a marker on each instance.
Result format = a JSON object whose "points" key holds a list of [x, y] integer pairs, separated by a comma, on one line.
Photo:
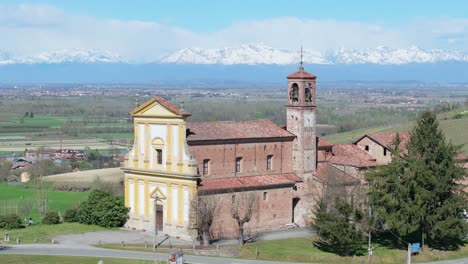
{"points": [[209, 15], [150, 29]]}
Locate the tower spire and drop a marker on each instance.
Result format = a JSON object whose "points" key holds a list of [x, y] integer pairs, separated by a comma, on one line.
{"points": [[301, 67]]}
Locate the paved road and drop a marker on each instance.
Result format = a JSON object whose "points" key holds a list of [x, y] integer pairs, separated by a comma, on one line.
{"points": [[88, 251], [139, 237]]}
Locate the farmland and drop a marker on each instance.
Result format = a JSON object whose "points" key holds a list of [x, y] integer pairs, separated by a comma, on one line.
{"points": [[79, 116], [21, 200]]}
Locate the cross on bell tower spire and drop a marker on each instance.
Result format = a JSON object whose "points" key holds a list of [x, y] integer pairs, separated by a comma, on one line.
{"points": [[301, 67]]}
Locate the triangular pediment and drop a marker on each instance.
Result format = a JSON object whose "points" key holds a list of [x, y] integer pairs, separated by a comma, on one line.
{"points": [[158, 192], [158, 107]]}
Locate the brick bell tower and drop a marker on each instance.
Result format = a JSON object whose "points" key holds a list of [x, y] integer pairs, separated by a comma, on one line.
{"points": [[301, 118]]}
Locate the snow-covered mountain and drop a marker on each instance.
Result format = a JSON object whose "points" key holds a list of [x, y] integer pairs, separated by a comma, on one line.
{"points": [[250, 54], [385, 55], [262, 54], [245, 54], [64, 56]]}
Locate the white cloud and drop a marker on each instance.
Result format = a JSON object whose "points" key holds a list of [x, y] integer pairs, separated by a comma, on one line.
{"points": [[26, 30]]}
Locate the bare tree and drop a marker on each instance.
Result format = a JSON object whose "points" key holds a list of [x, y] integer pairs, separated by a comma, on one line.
{"points": [[37, 172], [206, 208], [243, 206], [338, 187]]}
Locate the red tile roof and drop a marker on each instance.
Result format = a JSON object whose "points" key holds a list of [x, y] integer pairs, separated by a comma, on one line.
{"points": [[351, 150], [301, 75], [324, 143], [248, 182], [253, 129], [328, 173], [352, 161], [164, 103], [351, 155], [461, 157]]}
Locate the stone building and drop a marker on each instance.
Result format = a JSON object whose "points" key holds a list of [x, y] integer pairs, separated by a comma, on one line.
{"points": [[283, 169]]}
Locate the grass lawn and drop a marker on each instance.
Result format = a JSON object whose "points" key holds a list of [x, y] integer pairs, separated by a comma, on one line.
{"points": [[39, 259], [44, 233], [17, 198], [303, 250]]}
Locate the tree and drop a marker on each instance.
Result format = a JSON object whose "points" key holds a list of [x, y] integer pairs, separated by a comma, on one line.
{"points": [[206, 208], [243, 206], [339, 220], [103, 209], [419, 195]]}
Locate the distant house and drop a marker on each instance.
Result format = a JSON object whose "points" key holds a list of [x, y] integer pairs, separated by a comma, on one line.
{"points": [[378, 145], [47, 154], [69, 154], [20, 163]]}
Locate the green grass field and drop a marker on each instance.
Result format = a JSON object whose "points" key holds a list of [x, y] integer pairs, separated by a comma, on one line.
{"points": [[38, 233], [39, 259], [16, 198]]}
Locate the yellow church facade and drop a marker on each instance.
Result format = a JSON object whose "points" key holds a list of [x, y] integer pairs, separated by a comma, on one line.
{"points": [[160, 167]]}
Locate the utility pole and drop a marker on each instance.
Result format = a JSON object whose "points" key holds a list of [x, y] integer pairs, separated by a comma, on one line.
{"points": [[155, 220], [408, 261]]}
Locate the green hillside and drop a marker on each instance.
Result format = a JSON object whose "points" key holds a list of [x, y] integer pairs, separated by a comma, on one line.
{"points": [[454, 125]]}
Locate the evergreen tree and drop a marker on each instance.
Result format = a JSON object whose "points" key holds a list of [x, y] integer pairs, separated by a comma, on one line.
{"points": [[338, 229], [419, 195], [339, 220]]}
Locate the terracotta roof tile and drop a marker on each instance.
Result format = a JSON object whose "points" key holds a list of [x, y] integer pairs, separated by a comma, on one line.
{"points": [[253, 129], [461, 157], [351, 155], [164, 103], [326, 172], [352, 161], [351, 150], [301, 75], [324, 143], [248, 182]]}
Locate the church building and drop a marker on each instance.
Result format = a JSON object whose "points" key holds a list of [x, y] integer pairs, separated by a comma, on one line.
{"points": [[283, 169]]}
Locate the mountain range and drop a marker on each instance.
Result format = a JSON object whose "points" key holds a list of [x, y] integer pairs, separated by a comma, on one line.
{"points": [[251, 63], [251, 54]]}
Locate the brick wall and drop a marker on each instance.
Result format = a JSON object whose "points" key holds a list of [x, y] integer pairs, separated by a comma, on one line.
{"points": [[222, 158], [273, 213]]}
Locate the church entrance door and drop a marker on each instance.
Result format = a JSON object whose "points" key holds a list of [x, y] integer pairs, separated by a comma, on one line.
{"points": [[159, 217], [295, 201]]}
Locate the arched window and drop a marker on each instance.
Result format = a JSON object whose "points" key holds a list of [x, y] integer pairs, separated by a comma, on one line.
{"points": [[308, 93], [294, 93]]}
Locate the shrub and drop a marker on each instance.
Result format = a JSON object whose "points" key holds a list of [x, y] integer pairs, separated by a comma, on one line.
{"points": [[72, 187], [71, 215], [103, 209], [51, 218], [11, 221]]}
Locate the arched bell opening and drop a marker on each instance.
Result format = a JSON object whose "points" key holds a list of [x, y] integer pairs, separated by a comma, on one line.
{"points": [[294, 93]]}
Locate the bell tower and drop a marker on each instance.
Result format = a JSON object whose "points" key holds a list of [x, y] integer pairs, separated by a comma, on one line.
{"points": [[300, 120], [301, 117]]}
